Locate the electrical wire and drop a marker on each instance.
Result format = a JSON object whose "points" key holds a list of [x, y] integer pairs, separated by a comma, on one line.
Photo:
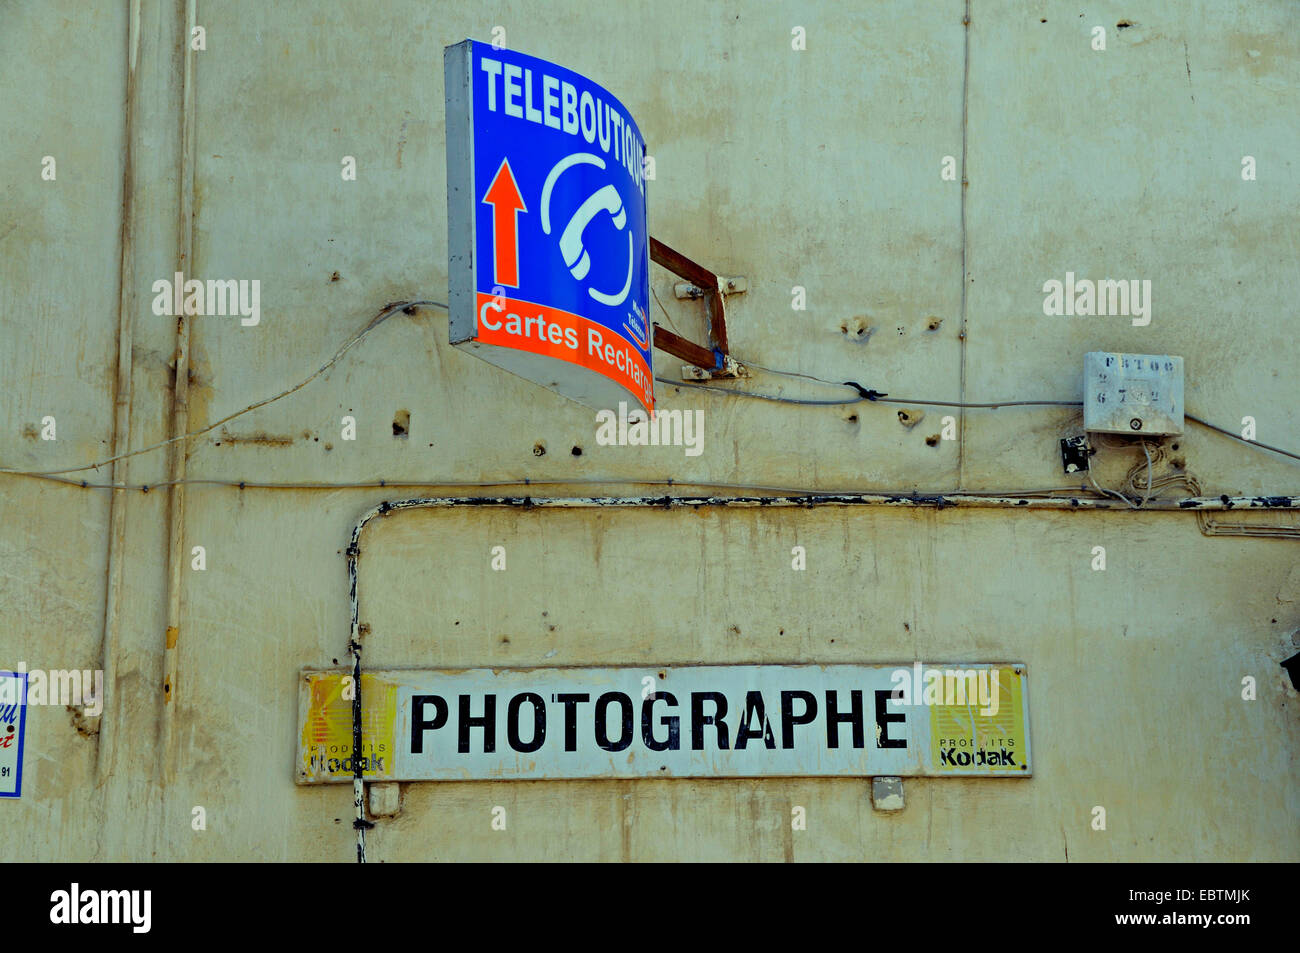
{"points": [[387, 312], [776, 398], [664, 310], [1130, 478], [1115, 493], [1147, 453], [990, 404], [1238, 437], [863, 395], [883, 399], [970, 405], [528, 482], [1207, 526], [1204, 521], [807, 377]]}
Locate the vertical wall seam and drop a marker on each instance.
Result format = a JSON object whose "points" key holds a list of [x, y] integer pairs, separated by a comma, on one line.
{"points": [[111, 713], [179, 410], [965, 278]]}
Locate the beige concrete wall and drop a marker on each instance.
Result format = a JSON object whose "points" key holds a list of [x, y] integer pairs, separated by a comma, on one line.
{"points": [[817, 168]]}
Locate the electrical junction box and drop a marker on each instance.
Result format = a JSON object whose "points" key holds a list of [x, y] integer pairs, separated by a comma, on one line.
{"points": [[1134, 394]]}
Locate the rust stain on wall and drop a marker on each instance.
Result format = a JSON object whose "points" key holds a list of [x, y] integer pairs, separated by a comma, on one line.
{"points": [[259, 437]]}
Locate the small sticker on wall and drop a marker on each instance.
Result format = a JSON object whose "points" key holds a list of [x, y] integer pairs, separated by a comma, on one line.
{"points": [[13, 723]]}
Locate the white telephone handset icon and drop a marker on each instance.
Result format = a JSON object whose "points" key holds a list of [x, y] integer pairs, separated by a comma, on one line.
{"points": [[603, 200]]}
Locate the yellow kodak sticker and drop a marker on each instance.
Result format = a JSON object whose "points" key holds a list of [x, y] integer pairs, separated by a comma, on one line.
{"points": [[977, 721], [326, 749]]}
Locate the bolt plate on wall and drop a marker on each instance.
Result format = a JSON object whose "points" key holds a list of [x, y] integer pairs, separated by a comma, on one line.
{"points": [[684, 290], [730, 368]]}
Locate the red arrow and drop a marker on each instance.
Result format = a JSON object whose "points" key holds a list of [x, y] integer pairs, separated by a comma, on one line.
{"points": [[503, 195]]}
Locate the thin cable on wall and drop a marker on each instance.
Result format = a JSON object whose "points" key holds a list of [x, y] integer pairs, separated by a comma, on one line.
{"points": [[387, 312], [863, 394]]}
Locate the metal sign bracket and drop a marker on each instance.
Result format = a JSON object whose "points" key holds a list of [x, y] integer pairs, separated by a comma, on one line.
{"points": [[702, 363]]}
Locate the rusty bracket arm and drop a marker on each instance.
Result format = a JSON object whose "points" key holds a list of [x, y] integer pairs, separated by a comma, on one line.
{"points": [[688, 351], [715, 361]]}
